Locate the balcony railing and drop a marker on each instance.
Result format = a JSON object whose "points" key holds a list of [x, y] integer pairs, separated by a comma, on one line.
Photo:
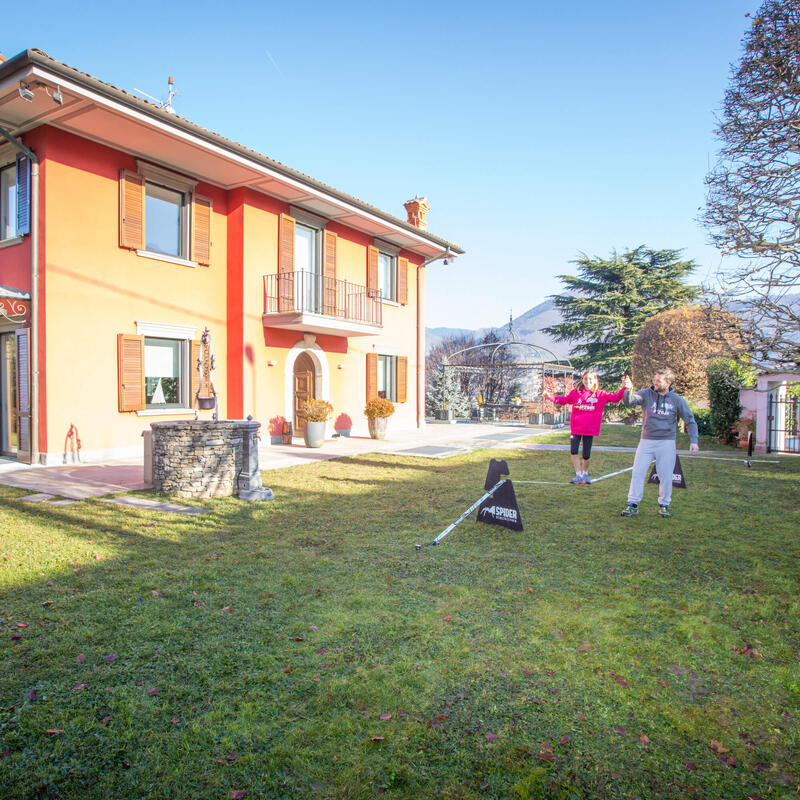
{"points": [[310, 293]]}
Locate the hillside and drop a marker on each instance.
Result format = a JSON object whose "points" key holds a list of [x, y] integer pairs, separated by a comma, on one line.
{"points": [[527, 328]]}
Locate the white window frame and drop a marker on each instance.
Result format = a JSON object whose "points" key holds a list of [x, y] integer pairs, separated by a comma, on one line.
{"points": [[164, 178], [11, 212], [387, 369], [184, 334], [392, 252]]}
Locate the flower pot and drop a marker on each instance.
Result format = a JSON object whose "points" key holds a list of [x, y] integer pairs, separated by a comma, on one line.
{"points": [[377, 427], [314, 434]]}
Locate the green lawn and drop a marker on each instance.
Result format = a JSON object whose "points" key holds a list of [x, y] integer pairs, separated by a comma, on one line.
{"points": [[304, 649]]}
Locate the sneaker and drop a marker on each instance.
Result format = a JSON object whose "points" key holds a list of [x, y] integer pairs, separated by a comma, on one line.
{"points": [[578, 478], [586, 478], [631, 510], [663, 511]]}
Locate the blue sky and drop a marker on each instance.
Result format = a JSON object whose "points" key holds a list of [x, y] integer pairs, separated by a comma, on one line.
{"points": [[536, 131]]}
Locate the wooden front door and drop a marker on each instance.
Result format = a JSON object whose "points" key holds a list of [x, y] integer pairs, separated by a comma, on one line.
{"points": [[303, 389]]}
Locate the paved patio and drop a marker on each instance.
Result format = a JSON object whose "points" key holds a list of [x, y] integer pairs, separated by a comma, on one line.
{"points": [[80, 481]]}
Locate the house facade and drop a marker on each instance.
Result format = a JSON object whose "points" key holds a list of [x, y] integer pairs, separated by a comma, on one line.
{"points": [[126, 231]]}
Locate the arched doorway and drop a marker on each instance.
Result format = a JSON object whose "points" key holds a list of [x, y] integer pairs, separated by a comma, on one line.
{"points": [[304, 388]]}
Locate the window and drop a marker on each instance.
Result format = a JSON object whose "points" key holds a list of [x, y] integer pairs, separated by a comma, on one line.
{"points": [[8, 201], [162, 216], [387, 275], [165, 226], [387, 376], [165, 369], [157, 368], [387, 372]]}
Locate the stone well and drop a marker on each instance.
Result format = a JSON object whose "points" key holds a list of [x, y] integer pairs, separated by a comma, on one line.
{"points": [[203, 458]]}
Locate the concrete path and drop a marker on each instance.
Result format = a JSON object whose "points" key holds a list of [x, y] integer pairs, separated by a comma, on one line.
{"points": [[80, 481]]}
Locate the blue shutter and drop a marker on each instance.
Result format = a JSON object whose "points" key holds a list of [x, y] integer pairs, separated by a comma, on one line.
{"points": [[23, 195]]}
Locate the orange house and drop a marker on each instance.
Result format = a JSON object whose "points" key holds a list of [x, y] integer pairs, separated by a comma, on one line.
{"points": [[126, 231]]}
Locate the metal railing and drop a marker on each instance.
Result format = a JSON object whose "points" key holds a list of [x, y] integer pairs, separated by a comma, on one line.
{"points": [[318, 294]]}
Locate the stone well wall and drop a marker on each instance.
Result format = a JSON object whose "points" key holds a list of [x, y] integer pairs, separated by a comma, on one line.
{"points": [[198, 458]]}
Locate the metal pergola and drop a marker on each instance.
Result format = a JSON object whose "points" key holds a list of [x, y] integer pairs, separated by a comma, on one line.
{"points": [[533, 367]]}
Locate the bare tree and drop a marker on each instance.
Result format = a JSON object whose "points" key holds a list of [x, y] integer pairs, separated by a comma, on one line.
{"points": [[753, 203]]}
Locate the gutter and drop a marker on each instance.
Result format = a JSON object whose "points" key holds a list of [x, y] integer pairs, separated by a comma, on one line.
{"points": [[34, 334]]}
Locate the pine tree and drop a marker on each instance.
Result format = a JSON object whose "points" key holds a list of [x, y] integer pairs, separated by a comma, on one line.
{"points": [[609, 301]]}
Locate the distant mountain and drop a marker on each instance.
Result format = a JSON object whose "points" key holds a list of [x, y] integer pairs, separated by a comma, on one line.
{"points": [[527, 328]]}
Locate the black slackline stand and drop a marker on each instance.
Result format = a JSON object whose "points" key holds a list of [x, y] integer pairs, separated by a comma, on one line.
{"points": [[504, 510]]}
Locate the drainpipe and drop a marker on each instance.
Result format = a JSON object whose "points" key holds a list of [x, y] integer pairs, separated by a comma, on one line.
{"points": [[447, 256], [34, 337]]}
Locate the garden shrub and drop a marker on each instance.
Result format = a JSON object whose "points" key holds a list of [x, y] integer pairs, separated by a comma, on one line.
{"points": [[725, 377]]}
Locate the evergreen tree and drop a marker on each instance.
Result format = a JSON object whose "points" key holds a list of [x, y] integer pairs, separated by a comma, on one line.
{"points": [[446, 394], [609, 301]]}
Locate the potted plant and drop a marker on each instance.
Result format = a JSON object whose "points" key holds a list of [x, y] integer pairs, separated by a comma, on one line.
{"points": [[316, 412], [377, 411]]}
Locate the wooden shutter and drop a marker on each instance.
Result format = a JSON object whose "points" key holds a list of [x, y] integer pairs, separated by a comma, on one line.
{"points": [[402, 281], [286, 263], [330, 240], [372, 376], [201, 230], [130, 371], [131, 210], [372, 271], [196, 353], [23, 195], [23, 398], [402, 379]]}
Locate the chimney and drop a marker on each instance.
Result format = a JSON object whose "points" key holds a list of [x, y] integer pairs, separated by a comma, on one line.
{"points": [[417, 210]]}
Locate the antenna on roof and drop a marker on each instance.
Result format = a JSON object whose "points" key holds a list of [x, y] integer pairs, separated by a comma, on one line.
{"points": [[165, 104]]}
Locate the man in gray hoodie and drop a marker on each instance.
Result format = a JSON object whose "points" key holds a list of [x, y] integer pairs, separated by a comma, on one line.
{"points": [[661, 407]]}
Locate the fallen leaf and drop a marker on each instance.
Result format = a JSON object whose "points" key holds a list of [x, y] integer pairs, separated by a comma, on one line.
{"points": [[232, 756], [175, 720], [690, 765], [57, 731], [155, 592], [621, 731], [377, 738], [47, 603], [491, 736], [384, 717], [718, 747], [621, 681], [22, 624], [448, 618], [299, 639], [582, 717], [662, 682], [110, 657], [80, 687], [288, 670], [32, 696], [225, 608], [530, 589], [105, 720], [152, 691], [238, 794], [312, 627], [643, 738], [545, 756], [583, 648], [564, 739]]}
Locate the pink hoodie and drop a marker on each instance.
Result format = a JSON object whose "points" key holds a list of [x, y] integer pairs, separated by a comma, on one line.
{"points": [[587, 409]]}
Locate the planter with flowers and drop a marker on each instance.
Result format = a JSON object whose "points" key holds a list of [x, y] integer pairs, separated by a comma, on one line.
{"points": [[316, 413], [377, 411]]}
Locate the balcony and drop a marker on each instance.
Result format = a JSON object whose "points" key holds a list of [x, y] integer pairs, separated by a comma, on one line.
{"points": [[305, 301]]}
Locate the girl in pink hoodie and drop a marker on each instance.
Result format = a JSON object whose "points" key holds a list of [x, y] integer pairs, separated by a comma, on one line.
{"points": [[587, 401]]}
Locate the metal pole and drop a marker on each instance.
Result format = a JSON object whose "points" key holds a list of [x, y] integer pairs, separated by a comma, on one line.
{"points": [[465, 514]]}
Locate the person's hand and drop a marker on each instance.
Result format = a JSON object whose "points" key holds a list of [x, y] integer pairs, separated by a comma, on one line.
{"points": [[627, 382], [694, 448], [548, 396]]}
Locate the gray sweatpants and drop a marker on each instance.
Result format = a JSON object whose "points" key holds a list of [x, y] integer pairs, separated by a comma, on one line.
{"points": [[663, 451]]}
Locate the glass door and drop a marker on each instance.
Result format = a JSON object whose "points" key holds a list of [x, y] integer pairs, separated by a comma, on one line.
{"points": [[9, 419]]}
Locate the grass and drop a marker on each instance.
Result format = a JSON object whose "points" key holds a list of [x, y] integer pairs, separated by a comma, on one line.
{"points": [[303, 648]]}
